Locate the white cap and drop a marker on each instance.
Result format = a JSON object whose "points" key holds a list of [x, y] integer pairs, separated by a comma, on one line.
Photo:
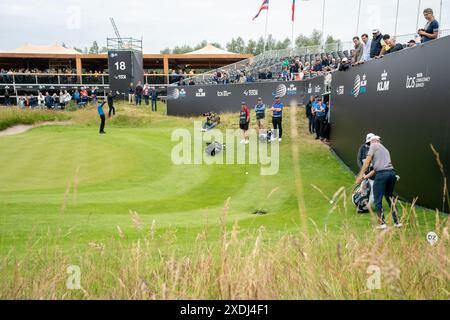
{"points": [[369, 137], [375, 31], [377, 138]]}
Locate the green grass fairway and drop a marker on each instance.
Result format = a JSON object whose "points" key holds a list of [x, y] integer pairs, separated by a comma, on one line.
{"points": [[72, 178], [70, 196]]}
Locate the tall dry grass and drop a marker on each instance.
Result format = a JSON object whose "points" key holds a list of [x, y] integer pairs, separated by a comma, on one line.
{"points": [[236, 264]]}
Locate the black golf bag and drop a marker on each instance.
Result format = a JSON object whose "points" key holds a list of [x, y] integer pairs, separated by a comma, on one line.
{"points": [[361, 196]]}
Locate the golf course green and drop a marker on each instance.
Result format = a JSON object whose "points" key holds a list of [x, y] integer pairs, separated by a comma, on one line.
{"points": [[88, 188]]}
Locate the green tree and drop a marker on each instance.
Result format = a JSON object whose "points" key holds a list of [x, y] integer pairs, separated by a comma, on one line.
{"points": [[236, 45], [183, 49], [260, 46], [201, 45], [166, 51], [251, 47], [283, 44], [217, 45]]}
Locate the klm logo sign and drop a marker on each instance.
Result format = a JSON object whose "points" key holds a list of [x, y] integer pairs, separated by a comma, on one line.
{"points": [[383, 85]]}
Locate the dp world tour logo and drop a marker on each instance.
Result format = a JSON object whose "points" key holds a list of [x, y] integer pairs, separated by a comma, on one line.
{"points": [[360, 85], [177, 93], [280, 91]]}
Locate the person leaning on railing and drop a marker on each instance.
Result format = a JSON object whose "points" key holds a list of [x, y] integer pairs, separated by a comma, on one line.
{"points": [[431, 29]]}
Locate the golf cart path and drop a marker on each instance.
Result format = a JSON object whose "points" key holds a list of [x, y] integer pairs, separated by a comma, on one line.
{"points": [[21, 128]]}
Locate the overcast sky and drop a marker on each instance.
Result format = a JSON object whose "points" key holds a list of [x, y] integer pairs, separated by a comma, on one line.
{"points": [[176, 22]]}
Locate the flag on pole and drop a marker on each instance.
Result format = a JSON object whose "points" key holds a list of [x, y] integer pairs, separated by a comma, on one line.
{"points": [[293, 10], [264, 6]]}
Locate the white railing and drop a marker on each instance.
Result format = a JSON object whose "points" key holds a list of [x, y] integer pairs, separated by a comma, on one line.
{"points": [[294, 52]]}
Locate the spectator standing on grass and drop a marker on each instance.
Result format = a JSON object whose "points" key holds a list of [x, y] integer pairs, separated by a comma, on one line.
{"points": [[102, 117], [55, 100], [84, 96], [260, 110], [309, 114], [138, 93], [385, 179], [77, 97], [61, 99], [67, 98], [244, 122], [131, 94], [48, 101], [376, 46], [320, 115], [277, 118], [146, 94], [7, 98], [359, 50], [367, 43], [154, 96], [41, 100], [110, 99], [431, 29]]}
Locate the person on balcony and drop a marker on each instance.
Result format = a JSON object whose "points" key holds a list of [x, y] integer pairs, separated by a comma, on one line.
{"points": [[431, 29]]}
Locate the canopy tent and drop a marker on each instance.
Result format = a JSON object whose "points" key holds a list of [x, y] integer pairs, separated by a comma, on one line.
{"points": [[44, 49]]}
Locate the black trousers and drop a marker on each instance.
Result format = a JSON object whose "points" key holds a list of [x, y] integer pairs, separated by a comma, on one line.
{"points": [[154, 105], [311, 124], [384, 186], [102, 123], [277, 124], [320, 127], [112, 110]]}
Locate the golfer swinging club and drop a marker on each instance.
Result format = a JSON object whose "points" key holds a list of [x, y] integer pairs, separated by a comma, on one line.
{"points": [[385, 179], [102, 116]]}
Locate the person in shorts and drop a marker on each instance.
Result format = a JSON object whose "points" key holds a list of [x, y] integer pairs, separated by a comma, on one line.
{"points": [[260, 110]]}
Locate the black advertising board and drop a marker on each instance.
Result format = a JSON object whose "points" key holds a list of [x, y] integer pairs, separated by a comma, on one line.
{"points": [[125, 67], [404, 98], [196, 100]]}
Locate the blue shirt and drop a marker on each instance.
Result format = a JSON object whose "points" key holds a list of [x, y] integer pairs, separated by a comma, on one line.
{"points": [[100, 109], [430, 27], [278, 114], [316, 107]]}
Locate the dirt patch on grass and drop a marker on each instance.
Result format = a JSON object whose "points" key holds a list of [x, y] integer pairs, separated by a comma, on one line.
{"points": [[21, 128]]}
